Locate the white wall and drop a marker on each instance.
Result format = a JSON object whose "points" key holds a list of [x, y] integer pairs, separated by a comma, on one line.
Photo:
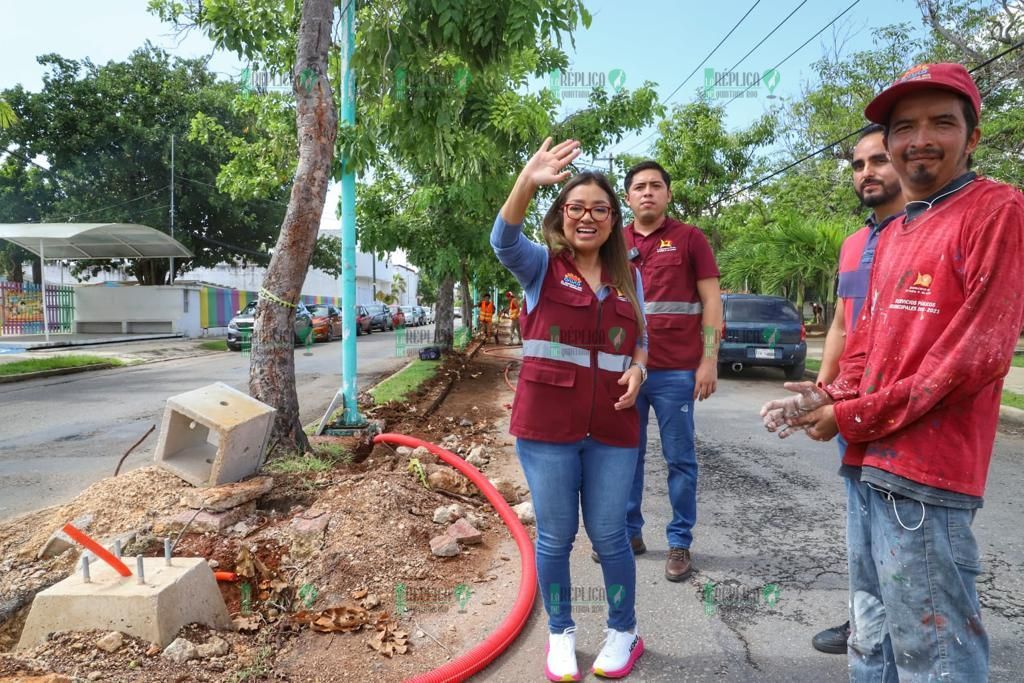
{"points": [[136, 309]]}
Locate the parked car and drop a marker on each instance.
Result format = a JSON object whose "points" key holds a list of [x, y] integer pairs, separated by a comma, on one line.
{"points": [[418, 315], [363, 320], [326, 322], [380, 316], [398, 316], [762, 331], [429, 311], [244, 319]]}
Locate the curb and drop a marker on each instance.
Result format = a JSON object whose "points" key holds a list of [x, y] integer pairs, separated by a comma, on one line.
{"points": [[1011, 417], [57, 372]]}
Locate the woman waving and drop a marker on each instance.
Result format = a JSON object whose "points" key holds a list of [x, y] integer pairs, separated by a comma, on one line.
{"points": [[584, 349]]}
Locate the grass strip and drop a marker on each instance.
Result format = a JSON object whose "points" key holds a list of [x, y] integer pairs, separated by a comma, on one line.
{"points": [[405, 382], [24, 367]]}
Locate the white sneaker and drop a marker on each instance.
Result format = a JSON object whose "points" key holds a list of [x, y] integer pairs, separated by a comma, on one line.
{"points": [[561, 664], [619, 654]]}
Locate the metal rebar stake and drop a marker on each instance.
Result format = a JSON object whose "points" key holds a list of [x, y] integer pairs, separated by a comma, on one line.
{"points": [[117, 548], [85, 569], [139, 569], [167, 551]]}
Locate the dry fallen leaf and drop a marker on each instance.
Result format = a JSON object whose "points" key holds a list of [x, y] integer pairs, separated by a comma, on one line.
{"points": [[389, 638], [359, 593], [250, 622], [340, 619]]}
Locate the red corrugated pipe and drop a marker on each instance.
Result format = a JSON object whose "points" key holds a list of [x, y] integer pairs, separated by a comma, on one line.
{"points": [[77, 535], [486, 652]]}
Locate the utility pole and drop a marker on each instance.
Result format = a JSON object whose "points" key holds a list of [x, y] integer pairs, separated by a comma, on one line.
{"points": [[347, 117], [610, 158], [170, 275]]}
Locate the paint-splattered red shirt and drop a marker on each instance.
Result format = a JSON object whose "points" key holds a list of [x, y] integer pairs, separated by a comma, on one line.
{"points": [[921, 380]]}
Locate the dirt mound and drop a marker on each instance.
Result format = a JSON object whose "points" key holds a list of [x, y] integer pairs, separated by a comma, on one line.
{"points": [[356, 535]]}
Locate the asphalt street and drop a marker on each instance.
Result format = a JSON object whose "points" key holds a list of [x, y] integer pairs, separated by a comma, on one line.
{"points": [[770, 558], [61, 434]]}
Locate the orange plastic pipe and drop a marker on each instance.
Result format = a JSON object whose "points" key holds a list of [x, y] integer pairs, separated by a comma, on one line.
{"points": [[79, 537], [225, 576]]}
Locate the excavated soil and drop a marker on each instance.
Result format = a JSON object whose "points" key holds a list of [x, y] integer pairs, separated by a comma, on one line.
{"points": [[355, 536]]}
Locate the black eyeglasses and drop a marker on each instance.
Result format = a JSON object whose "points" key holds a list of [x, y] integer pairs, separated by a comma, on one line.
{"points": [[578, 211]]}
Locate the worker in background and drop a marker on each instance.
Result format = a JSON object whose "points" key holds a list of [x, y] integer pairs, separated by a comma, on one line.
{"points": [[513, 316], [487, 316]]}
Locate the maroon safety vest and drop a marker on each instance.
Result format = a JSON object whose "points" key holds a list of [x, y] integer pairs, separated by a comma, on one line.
{"points": [[575, 349]]}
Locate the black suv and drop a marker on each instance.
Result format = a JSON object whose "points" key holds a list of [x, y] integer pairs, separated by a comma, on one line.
{"points": [[762, 330]]}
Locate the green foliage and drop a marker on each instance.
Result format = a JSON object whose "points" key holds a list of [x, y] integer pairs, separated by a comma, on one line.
{"points": [[1013, 400], [105, 132], [214, 345]]}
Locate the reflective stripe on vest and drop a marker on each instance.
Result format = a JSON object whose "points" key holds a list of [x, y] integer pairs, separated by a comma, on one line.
{"points": [[539, 348], [672, 307]]}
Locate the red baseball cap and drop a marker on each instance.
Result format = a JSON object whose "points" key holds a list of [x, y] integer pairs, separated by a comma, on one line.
{"points": [[944, 76]]}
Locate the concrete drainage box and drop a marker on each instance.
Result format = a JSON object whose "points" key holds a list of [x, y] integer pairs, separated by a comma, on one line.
{"points": [[214, 435]]}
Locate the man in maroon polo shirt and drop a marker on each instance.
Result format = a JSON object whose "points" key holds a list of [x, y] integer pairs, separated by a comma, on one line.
{"points": [[683, 305]]}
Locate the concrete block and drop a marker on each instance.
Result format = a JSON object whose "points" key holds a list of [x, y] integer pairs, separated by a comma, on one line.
{"points": [[183, 593], [213, 435], [58, 542]]}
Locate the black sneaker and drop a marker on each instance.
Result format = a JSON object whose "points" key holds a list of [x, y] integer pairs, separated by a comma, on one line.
{"points": [[638, 548], [832, 640]]}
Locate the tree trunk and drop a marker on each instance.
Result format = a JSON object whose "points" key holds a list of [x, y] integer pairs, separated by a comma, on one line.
{"points": [[444, 324], [467, 300], [272, 369], [37, 271]]}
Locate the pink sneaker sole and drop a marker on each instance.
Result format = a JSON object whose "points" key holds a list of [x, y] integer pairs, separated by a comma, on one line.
{"points": [[554, 677], [624, 671]]}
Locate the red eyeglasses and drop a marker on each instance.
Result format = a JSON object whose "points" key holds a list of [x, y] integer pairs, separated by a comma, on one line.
{"points": [[577, 211]]}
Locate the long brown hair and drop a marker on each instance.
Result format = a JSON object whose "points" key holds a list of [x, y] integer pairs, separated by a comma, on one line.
{"points": [[612, 253]]}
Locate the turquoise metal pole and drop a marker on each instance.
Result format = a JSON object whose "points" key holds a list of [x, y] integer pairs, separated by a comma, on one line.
{"points": [[347, 117]]}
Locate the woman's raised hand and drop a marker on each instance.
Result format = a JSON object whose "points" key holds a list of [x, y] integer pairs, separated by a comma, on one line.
{"points": [[545, 167]]}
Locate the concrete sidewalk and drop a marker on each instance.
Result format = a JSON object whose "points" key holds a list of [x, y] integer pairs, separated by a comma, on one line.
{"points": [[1014, 379]]}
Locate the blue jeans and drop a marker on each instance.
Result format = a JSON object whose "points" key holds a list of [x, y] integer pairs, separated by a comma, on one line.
{"points": [[595, 477], [670, 392], [914, 612]]}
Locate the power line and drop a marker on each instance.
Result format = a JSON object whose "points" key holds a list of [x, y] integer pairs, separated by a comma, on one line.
{"points": [[251, 199], [695, 70], [114, 206], [770, 33], [850, 135], [740, 60], [713, 50], [802, 46]]}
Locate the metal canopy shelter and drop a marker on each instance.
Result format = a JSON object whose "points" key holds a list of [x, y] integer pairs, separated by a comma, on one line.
{"points": [[57, 241]]}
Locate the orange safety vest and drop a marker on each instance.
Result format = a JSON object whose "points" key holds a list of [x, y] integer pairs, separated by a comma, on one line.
{"points": [[486, 311], [513, 309]]}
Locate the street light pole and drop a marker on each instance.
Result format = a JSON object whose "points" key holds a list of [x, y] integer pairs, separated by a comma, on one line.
{"points": [[347, 117]]}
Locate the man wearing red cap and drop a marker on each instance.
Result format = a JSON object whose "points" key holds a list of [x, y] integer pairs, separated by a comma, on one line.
{"points": [[919, 388], [513, 316]]}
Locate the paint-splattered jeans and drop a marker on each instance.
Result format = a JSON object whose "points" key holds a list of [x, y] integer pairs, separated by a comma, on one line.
{"points": [[670, 393], [914, 613]]}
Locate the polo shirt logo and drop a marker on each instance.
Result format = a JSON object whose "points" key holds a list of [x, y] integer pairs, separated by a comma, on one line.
{"points": [[573, 281], [664, 246]]}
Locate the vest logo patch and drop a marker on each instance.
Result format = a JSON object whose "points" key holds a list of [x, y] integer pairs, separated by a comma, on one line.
{"points": [[573, 281], [664, 246], [616, 336], [923, 279]]}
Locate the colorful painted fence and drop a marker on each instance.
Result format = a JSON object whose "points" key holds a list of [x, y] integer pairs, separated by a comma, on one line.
{"points": [[21, 308], [218, 305]]}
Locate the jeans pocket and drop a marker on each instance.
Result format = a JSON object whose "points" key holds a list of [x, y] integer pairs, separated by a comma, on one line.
{"points": [[961, 541]]}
